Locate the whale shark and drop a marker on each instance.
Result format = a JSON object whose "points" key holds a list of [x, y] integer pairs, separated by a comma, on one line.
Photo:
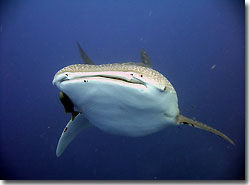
{"points": [[129, 99]]}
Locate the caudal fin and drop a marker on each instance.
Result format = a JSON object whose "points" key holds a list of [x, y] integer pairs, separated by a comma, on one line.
{"points": [[185, 120]]}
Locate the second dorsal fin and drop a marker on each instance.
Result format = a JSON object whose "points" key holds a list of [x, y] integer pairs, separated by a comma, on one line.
{"points": [[85, 58], [145, 59]]}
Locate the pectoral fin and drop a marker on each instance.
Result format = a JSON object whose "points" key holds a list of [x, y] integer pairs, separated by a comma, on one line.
{"points": [[72, 129], [185, 120]]}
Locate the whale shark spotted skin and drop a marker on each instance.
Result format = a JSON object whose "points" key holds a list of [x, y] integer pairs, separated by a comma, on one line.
{"points": [[129, 99]]}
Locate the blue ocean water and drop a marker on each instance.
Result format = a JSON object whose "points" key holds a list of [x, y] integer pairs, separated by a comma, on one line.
{"points": [[199, 45]]}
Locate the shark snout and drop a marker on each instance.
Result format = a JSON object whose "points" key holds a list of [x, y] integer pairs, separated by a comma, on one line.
{"points": [[59, 78]]}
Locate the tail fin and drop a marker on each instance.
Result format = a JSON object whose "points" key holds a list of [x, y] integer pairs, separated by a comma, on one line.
{"points": [[185, 120]]}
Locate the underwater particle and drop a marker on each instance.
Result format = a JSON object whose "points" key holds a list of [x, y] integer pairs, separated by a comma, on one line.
{"points": [[150, 13], [210, 148], [193, 106], [213, 67]]}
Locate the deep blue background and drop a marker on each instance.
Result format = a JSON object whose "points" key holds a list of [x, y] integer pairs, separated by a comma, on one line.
{"points": [[184, 39]]}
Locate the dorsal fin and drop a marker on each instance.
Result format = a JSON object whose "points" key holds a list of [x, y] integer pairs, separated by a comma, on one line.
{"points": [[85, 58], [144, 58], [185, 120]]}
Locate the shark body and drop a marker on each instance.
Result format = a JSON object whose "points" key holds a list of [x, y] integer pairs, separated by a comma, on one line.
{"points": [[128, 99]]}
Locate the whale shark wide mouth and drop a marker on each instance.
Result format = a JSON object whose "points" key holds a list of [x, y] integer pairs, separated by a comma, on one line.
{"points": [[130, 79]]}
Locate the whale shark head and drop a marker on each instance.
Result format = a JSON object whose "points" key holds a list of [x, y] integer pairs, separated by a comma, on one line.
{"points": [[120, 90], [130, 73]]}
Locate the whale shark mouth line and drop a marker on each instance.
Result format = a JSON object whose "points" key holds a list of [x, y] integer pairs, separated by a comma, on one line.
{"points": [[133, 80]]}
